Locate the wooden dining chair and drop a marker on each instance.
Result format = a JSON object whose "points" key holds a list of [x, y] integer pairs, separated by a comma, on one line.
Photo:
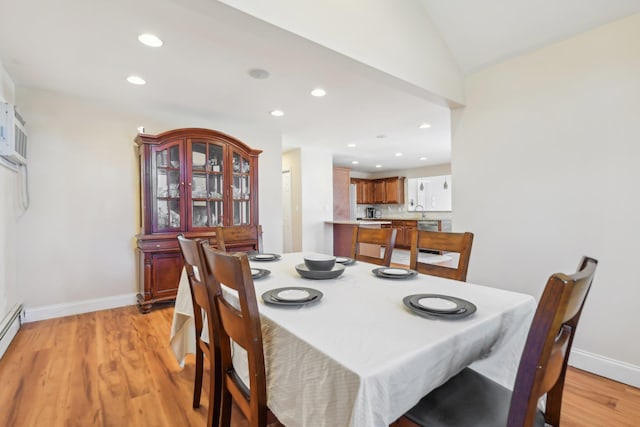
{"points": [[458, 243], [471, 399], [244, 238], [242, 325], [202, 300], [367, 244]]}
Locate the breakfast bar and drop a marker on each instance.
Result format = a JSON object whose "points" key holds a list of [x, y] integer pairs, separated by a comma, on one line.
{"points": [[343, 233]]}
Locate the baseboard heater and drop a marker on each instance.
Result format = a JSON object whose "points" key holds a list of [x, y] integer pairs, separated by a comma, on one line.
{"points": [[9, 327]]}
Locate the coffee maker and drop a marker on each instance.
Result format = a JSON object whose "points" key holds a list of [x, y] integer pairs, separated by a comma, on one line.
{"points": [[369, 213]]}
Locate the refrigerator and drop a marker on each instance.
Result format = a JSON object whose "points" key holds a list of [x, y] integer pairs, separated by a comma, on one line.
{"points": [[353, 208]]}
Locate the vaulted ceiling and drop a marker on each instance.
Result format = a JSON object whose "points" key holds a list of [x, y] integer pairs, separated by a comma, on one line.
{"points": [[87, 49]]}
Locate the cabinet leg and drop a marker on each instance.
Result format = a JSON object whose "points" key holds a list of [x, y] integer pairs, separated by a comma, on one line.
{"points": [[144, 307]]}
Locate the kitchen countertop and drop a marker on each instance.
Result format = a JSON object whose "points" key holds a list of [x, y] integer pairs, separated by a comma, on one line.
{"points": [[368, 222], [406, 219]]}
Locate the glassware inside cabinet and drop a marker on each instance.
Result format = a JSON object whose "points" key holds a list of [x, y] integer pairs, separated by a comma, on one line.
{"points": [[198, 155], [245, 165], [174, 213], [216, 210], [162, 186], [241, 187], [200, 215], [168, 214], [215, 186], [214, 162], [241, 212], [174, 156], [162, 158], [199, 185], [174, 184]]}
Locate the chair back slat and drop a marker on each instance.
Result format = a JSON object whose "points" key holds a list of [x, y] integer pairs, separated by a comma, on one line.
{"points": [[239, 238], [241, 323], [438, 241], [380, 239], [545, 357]]}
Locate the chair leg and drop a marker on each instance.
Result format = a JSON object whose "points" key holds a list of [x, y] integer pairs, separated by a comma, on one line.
{"points": [[225, 409], [215, 389], [197, 383]]}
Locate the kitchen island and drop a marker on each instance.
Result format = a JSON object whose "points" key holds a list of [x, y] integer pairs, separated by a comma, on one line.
{"points": [[343, 234]]}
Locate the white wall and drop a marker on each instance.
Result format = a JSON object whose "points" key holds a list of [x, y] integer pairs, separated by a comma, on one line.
{"points": [[545, 160], [395, 37], [77, 239], [317, 200], [8, 216]]}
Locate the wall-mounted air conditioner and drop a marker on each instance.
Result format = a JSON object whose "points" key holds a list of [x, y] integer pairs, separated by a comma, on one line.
{"points": [[13, 135]]}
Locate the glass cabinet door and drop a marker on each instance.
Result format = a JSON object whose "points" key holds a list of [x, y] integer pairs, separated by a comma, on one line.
{"points": [[241, 190], [166, 192], [207, 184]]}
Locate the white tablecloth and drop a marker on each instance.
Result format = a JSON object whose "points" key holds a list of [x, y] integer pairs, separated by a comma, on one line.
{"points": [[359, 357]]}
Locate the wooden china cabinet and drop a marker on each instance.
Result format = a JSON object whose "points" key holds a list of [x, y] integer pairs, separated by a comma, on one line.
{"points": [[191, 181]]}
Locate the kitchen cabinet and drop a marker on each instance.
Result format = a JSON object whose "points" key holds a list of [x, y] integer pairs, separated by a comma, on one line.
{"points": [[394, 190], [191, 180], [364, 191], [404, 229], [379, 191]]}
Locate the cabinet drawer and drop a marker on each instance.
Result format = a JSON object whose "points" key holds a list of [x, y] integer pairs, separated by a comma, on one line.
{"points": [[158, 245]]}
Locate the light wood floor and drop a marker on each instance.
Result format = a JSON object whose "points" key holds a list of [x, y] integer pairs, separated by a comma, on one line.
{"points": [[114, 368]]}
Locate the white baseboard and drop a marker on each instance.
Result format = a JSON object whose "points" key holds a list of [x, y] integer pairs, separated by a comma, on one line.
{"points": [[609, 368], [9, 327], [33, 314]]}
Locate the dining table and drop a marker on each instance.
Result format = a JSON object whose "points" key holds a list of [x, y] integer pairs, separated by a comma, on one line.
{"points": [[358, 356]]}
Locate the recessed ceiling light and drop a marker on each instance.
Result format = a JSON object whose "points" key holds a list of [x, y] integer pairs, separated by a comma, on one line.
{"points": [[381, 136], [136, 80], [425, 126], [378, 166], [150, 40], [318, 92], [423, 158], [398, 154], [277, 113], [259, 73], [351, 145], [355, 162]]}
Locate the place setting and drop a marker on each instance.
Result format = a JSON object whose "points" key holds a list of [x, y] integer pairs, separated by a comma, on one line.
{"points": [[259, 273], [320, 267], [394, 273], [436, 306], [291, 296], [264, 257], [345, 260]]}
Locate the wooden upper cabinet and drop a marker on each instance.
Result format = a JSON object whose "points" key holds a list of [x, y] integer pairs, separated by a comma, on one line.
{"points": [[379, 191], [394, 190], [367, 192]]}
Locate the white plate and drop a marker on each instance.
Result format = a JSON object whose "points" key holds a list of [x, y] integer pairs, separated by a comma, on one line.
{"points": [[342, 259], [293, 295], [440, 304], [264, 256], [254, 271], [395, 272]]}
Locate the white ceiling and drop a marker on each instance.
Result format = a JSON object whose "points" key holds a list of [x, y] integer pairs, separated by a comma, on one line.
{"points": [[480, 33], [88, 48]]}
